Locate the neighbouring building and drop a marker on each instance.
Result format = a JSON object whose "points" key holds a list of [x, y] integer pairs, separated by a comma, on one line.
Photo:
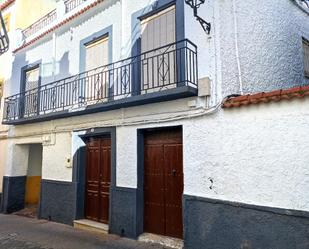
{"points": [[7, 23], [149, 117], [17, 15]]}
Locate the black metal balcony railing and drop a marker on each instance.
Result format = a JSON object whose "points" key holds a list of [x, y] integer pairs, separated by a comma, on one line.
{"points": [[72, 4], [164, 68], [40, 24], [4, 38]]}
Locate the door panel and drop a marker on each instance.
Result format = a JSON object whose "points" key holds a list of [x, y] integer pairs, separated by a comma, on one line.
{"points": [[92, 180], [154, 189], [173, 195], [163, 183], [105, 176], [98, 179]]}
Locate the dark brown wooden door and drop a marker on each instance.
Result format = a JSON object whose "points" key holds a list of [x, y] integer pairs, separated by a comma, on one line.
{"points": [[98, 175], [163, 183]]}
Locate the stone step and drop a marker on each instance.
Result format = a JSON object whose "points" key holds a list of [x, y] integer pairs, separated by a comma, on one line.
{"points": [[91, 226], [169, 242]]}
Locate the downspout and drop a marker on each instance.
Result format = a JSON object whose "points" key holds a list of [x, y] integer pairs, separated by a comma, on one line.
{"points": [[54, 56], [236, 48]]}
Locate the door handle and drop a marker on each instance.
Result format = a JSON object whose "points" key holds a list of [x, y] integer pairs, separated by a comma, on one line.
{"points": [[174, 172]]}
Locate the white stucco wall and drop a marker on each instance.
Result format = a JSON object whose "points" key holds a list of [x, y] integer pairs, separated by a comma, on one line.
{"points": [[126, 169], [270, 44], [35, 160], [256, 155], [269, 36], [17, 159], [55, 155]]}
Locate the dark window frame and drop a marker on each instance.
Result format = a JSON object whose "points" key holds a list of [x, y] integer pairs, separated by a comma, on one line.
{"points": [[24, 71], [305, 42]]}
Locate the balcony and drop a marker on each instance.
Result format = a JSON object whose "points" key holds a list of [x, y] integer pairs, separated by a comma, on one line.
{"points": [[72, 4], [40, 24], [162, 74], [51, 17]]}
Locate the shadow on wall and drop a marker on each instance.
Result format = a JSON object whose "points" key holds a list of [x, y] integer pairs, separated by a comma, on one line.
{"points": [[49, 72], [52, 71]]}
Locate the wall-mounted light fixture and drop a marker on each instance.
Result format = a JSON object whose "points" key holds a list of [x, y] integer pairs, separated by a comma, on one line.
{"points": [[195, 4]]}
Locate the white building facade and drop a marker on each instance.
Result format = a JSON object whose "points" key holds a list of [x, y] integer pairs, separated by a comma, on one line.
{"points": [[121, 102]]}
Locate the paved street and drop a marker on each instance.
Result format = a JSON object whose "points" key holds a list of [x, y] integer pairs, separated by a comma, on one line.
{"points": [[24, 233]]}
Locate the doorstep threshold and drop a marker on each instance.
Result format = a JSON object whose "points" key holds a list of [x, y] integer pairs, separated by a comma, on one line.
{"points": [[91, 226], [169, 242]]}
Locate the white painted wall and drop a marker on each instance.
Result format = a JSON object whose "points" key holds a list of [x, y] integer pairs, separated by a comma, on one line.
{"points": [[55, 155], [269, 40], [126, 169], [17, 160], [256, 155], [35, 160], [269, 37]]}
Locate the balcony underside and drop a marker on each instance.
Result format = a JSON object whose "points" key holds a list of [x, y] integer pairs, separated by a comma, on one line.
{"points": [[165, 95]]}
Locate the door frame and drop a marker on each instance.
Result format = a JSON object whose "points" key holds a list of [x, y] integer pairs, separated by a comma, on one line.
{"points": [[140, 172], [79, 169]]}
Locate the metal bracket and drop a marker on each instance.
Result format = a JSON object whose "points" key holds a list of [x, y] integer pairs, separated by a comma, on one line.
{"points": [[205, 25], [195, 4]]}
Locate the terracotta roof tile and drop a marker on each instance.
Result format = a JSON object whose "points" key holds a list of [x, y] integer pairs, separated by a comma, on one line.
{"points": [[265, 97], [6, 3], [58, 25]]}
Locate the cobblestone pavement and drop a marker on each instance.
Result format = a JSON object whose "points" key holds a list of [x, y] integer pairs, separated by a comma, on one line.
{"points": [[24, 233]]}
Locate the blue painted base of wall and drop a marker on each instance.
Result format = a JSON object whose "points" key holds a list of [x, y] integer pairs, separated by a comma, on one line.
{"points": [[214, 224], [125, 215], [1, 207], [13, 193], [58, 201]]}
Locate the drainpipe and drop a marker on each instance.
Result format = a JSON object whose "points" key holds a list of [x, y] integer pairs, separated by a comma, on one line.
{"points": [[236, 48], [54, 56]]}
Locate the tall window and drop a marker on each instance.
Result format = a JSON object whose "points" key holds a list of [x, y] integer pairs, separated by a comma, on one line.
{"points": [[97, 53], [31, 79], [158, 31], [97, 85], [306, 57], [31, 94]]}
